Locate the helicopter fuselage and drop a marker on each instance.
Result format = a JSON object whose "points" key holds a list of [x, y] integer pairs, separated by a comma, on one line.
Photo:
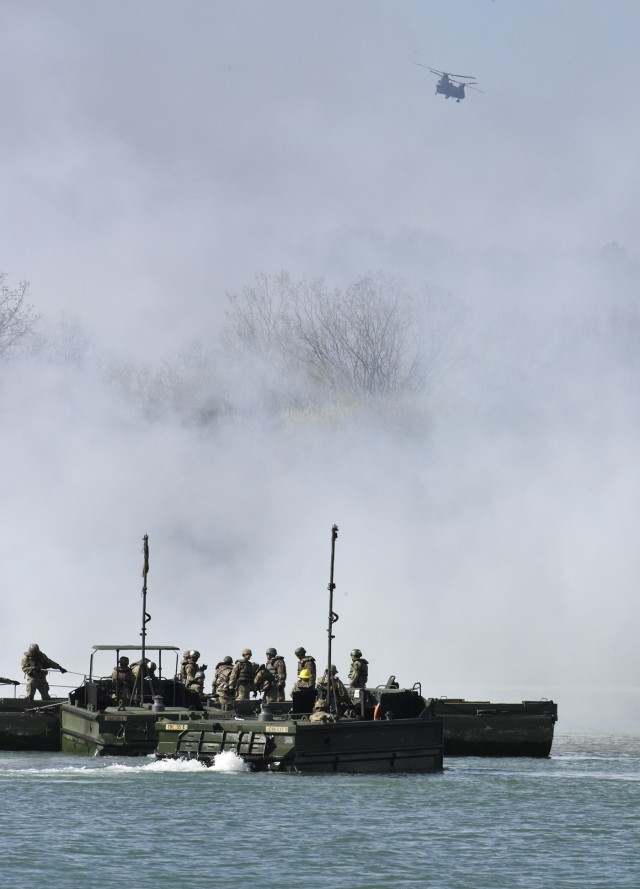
{"points": [[450, 90]]}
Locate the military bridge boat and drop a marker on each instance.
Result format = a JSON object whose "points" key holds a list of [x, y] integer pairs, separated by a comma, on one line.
{"points": [[483, 728], [103, 719], [116, 714], [408, 739], [30, 725]]}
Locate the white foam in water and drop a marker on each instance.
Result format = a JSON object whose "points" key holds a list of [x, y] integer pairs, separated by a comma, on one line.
{"points": [[175, 765], [228, 761], [224, 762]]}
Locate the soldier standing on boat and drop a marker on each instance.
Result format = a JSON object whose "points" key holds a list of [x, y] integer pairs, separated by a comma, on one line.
{"points": [[242, 676], [276, 665], [265, 682], [305, 661], [328, 690], [183, 665], [34, 665], [192, 667], [220, 684], [197, 683], [123, 676], [359, 672]]}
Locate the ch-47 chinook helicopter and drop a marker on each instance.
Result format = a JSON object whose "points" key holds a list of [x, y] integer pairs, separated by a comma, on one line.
{"points": [[451, 86]]}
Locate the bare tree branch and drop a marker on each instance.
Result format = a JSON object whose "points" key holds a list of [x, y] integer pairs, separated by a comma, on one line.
{"points": [[17, 318]]}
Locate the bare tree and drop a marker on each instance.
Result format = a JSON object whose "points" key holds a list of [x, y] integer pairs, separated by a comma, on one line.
{"points": [[257, 318], [366, 340], [18, 320], [360, 341]]}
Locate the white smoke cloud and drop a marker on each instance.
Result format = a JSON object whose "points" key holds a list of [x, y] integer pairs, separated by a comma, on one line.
{"points": [[487, 542]]}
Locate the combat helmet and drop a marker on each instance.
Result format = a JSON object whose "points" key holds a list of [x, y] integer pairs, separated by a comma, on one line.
{"points": [[227, 660], [300, 652], [123, 661], [356, 653], [194, 654], [246, 651], [271, 652], [34, 648], [321, 704]]}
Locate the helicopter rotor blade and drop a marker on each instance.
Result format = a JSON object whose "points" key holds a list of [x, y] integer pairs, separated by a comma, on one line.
{"points": [[433, 70], [454, 78], [471, 87]]}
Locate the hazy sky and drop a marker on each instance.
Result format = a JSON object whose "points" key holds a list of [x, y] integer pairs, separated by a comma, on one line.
{"points": [[158, 155]]}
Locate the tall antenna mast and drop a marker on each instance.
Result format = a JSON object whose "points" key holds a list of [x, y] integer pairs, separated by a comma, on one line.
{"points": [[333, 617], [146, 617]]}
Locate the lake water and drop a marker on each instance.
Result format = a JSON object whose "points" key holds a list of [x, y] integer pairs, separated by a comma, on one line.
{"points": [[569, 821]]}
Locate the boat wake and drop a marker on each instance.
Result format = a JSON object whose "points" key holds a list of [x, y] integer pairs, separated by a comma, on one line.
{"points": [[227, 761]]}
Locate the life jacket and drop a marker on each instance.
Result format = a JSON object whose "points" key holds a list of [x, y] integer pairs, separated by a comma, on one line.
{"points": [[190, 669], [359, 670], [277, 667], [265, 675], [246, 670], [123, 675], [308, 662]]}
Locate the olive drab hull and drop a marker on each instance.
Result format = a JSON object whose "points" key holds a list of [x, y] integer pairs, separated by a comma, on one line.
{"points": [[109, 732], [30, 725], [298, 745], [284, 738], [115, 730], [102, 719], [483, 728]]}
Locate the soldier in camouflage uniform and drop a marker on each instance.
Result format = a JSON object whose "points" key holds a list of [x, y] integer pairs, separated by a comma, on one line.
{"points": [[191, 667], [327, 690], [277, 667], [34, 665], [123, 676], [359, 672], [183, 664], [305, 661], [220, 684], [321, 712], [242, 676], [265, 682], [197, 683]]}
